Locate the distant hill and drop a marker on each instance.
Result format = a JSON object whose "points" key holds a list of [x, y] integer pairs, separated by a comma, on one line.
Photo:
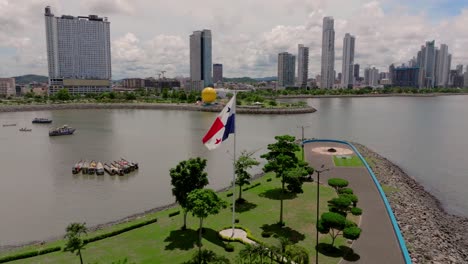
{"points": [[240, 80], [267, 79], [25, 79]]}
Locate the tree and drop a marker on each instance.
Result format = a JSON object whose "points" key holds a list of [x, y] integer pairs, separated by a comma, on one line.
{"points": [[337, 183], [202, 203], [187, 176], [63, 95], [74, 241], [297, 254], [130, 96], [343, 205], [243, 163], [336, 224], [281, 159]]}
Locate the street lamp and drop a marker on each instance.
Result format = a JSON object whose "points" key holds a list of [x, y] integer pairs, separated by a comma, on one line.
{"points": [[318, 202]]}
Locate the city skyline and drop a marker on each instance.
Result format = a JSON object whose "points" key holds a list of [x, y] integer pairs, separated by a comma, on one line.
{"points": [[138, 50]]}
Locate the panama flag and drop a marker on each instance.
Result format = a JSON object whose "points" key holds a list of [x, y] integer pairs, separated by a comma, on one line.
{"points": [[223, 125]]}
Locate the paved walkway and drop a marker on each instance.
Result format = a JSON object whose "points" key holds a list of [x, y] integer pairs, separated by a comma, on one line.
{"points": [[378, 242], [238, 234]]}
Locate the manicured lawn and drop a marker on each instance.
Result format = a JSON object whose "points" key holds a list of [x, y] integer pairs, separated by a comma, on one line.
{"points": [[164, 242], [349, 161]]}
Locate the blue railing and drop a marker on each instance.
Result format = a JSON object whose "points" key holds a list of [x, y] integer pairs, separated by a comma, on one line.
{"points": [[396, 228]]}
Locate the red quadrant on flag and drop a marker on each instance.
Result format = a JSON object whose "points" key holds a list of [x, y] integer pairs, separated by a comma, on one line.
{"points": [[215, 128]]}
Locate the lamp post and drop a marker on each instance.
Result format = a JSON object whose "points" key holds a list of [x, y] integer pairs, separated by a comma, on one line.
{"points": [[318, 202], [302, 143]]}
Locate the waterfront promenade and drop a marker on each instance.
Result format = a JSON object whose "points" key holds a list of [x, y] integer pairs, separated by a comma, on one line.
{"points": [[378, 242]]}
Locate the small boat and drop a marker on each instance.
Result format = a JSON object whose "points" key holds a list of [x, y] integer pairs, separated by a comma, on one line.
{"points": [[99, 168], [120, 168], [92, 167], [132, 164], [123, 166], [25, 129], [85, 167], [129, 165], [77, 168], [9, 125], [41, 121], [110, 170], [60, 131]]}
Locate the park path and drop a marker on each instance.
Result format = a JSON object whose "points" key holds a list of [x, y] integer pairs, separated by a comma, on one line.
{"points": [[378, 243]]}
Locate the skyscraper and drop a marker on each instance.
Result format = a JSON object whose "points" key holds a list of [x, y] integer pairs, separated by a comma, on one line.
{"points": [[443, 66], [347, 79], [286, 69], [200, 59], [217, 72], [328, 53], [356, 72], [459, 69], [78, 53], [302, 66]]}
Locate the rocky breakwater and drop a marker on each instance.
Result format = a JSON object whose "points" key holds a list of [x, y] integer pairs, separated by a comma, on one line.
{"points": [[431, 234], [183, 107]]}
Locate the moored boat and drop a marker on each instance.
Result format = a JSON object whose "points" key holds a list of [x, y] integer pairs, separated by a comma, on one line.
{"points": [[8, 125], [23, 129], [99, 168], [125, 167], [120, 167], [85, 167], [92, 167], [41, 121], [77, 168], [134, 165], [60, 131], [110, 170]]}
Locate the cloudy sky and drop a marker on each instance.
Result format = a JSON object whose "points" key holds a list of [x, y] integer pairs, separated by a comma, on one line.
{"points": [[153, 35]]}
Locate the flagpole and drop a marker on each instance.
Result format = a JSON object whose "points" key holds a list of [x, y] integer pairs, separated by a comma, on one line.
{"points": [[234, 172]]}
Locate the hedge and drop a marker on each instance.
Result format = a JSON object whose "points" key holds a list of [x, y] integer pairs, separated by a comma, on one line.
{"points": [[229, 194], [252, 186], [229, 248], [30, 254], [119, 231], [174, 213], [269, 180]]}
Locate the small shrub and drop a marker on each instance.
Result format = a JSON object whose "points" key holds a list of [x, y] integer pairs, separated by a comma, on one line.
{"points": [[229, 194], [229, 248], [269, 180], [345, 191], [236, 220], [266, 234], [174, 213]]}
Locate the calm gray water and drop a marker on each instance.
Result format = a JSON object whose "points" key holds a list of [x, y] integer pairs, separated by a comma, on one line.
{"points": [[39, 196]]}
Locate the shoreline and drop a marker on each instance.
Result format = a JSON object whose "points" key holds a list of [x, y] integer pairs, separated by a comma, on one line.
{"points": [[132, 217], [155, 106], [366, 95], [431, 234]]}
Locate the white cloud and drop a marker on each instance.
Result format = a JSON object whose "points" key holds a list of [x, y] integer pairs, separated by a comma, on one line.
{"points": [[150, 36]]}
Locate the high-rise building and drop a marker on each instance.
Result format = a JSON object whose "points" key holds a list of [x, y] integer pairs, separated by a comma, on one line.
{"points": [[356, 72], [200, 59], [443, 66], [459, 69], [78, 53], [391, 73], [465, 78], [302, 66], [328, 54], [7, 86], [406, 77], [286, 69], [430, 64], [371, 76], [217, 73], [347, 79]]}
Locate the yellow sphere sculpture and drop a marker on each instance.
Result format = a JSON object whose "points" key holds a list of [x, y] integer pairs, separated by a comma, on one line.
{"points": [[208, 95]]}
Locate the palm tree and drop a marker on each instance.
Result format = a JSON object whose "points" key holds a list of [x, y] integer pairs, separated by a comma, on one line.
{"points": [[74, 241]]}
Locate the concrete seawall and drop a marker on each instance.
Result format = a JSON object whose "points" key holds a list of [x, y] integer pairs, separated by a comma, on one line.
{"points": [[182, 107]]}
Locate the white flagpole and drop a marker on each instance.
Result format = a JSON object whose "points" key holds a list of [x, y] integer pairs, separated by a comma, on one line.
{"points": [[234, 170]]}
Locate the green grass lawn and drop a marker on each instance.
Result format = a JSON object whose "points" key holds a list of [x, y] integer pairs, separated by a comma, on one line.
{"points": [[351, 161], [164, 242]]}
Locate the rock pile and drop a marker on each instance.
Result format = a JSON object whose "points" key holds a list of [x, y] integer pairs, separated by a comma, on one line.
{"points": [[431, 234]]}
